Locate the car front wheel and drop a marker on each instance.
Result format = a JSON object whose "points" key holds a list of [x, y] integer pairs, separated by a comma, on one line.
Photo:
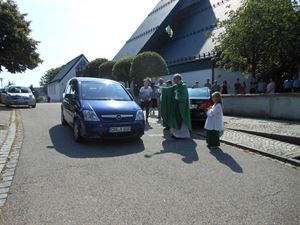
{"points": [[76, 131]]}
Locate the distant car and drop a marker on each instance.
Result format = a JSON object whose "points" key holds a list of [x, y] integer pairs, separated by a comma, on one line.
{"points": [[18, 95], [200, 101], [101, 109]]}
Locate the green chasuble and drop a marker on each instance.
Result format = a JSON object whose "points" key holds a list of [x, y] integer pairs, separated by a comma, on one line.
{"points": [[168, 106]]}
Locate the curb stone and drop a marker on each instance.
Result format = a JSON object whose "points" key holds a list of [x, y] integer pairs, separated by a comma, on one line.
{"points": [[11, 151], [8, 142], [283, 159], [284, 138]]}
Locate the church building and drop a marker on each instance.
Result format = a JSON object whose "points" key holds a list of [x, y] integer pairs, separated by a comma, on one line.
{"points": [[182, 31]]}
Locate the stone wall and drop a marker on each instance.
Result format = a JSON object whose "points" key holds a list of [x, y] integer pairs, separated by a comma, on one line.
{"points": [[275, 106]]}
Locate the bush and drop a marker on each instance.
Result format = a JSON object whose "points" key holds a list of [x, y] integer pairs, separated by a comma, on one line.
{"points": [[92, 68], [105, 69], [148, 64], [121, 70]]}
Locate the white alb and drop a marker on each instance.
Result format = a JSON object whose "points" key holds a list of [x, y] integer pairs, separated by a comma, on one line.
{"points": [[214, 119]]}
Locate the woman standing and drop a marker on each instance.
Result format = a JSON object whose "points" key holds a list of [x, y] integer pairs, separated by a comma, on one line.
{"points": [[214, 123], [224, 87]]}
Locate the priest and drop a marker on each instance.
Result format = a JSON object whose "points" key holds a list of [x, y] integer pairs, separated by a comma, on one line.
{"points": [[175, 109]]}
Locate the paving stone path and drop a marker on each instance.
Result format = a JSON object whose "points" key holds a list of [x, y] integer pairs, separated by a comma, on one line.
{"points": [[286, 128], [261, 144]]}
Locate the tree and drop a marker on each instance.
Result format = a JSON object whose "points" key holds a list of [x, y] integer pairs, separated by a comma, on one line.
{"points": [[105, 69], [17, 49], [121, 70], [49, 75], [92, 68], [148, 64], [262, 38]]}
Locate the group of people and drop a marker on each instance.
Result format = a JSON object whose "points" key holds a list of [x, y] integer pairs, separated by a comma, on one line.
{"points": [[174, 109], [171, 99], [214, 87], [256, 86], [290, 85], [150, 96], [261, 87]]}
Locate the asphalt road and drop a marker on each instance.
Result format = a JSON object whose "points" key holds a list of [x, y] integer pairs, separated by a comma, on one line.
{"points": [[154, 181]]}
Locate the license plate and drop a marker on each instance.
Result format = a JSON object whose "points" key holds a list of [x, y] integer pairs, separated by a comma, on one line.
{"points": [[119, 129]]}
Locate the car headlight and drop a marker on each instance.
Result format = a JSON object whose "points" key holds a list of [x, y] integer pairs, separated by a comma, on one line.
{"points": [[90, 115], [139, 115]]}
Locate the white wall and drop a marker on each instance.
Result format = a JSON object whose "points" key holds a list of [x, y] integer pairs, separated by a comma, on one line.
{"points": [[230, 77], [276, 106], [56, 92], [53, 90], [64, 81]]}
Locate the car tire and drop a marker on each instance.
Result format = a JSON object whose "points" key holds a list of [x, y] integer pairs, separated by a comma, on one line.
{"points": [[63, 121], [7, 106], [33, 106], [76, 131]]}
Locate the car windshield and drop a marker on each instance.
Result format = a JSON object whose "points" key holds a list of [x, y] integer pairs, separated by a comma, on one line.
{"points": [[198, 92], [95, 90], [15, 90]]}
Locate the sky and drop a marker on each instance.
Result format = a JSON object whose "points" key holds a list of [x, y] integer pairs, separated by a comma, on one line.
{"points": [[68, 28]]}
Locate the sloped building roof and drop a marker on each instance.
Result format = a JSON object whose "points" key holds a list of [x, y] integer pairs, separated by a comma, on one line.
{"points": [[151, 27], [191, 22], [66, 68]]}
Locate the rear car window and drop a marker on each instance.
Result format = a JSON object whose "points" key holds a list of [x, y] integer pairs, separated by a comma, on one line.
{"points": [[18, 90], [198, 92]]}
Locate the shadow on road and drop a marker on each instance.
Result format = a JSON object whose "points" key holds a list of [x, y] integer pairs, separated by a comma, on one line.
{"points": [[226, 159], [185, 148], [63, 142]]}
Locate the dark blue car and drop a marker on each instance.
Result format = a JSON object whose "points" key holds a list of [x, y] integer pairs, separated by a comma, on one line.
{"points": [[101, 108]]}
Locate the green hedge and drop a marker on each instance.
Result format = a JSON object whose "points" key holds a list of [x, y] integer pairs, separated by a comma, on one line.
{"points": [[105, 69], [121, 69], [148, 64], [92, 68]]}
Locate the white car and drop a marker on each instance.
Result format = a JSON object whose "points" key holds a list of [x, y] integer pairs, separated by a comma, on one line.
{"points": [[17, 95]]}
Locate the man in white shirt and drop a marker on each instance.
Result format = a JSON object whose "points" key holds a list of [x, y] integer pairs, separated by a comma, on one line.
{"points": [[145, 96]]}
